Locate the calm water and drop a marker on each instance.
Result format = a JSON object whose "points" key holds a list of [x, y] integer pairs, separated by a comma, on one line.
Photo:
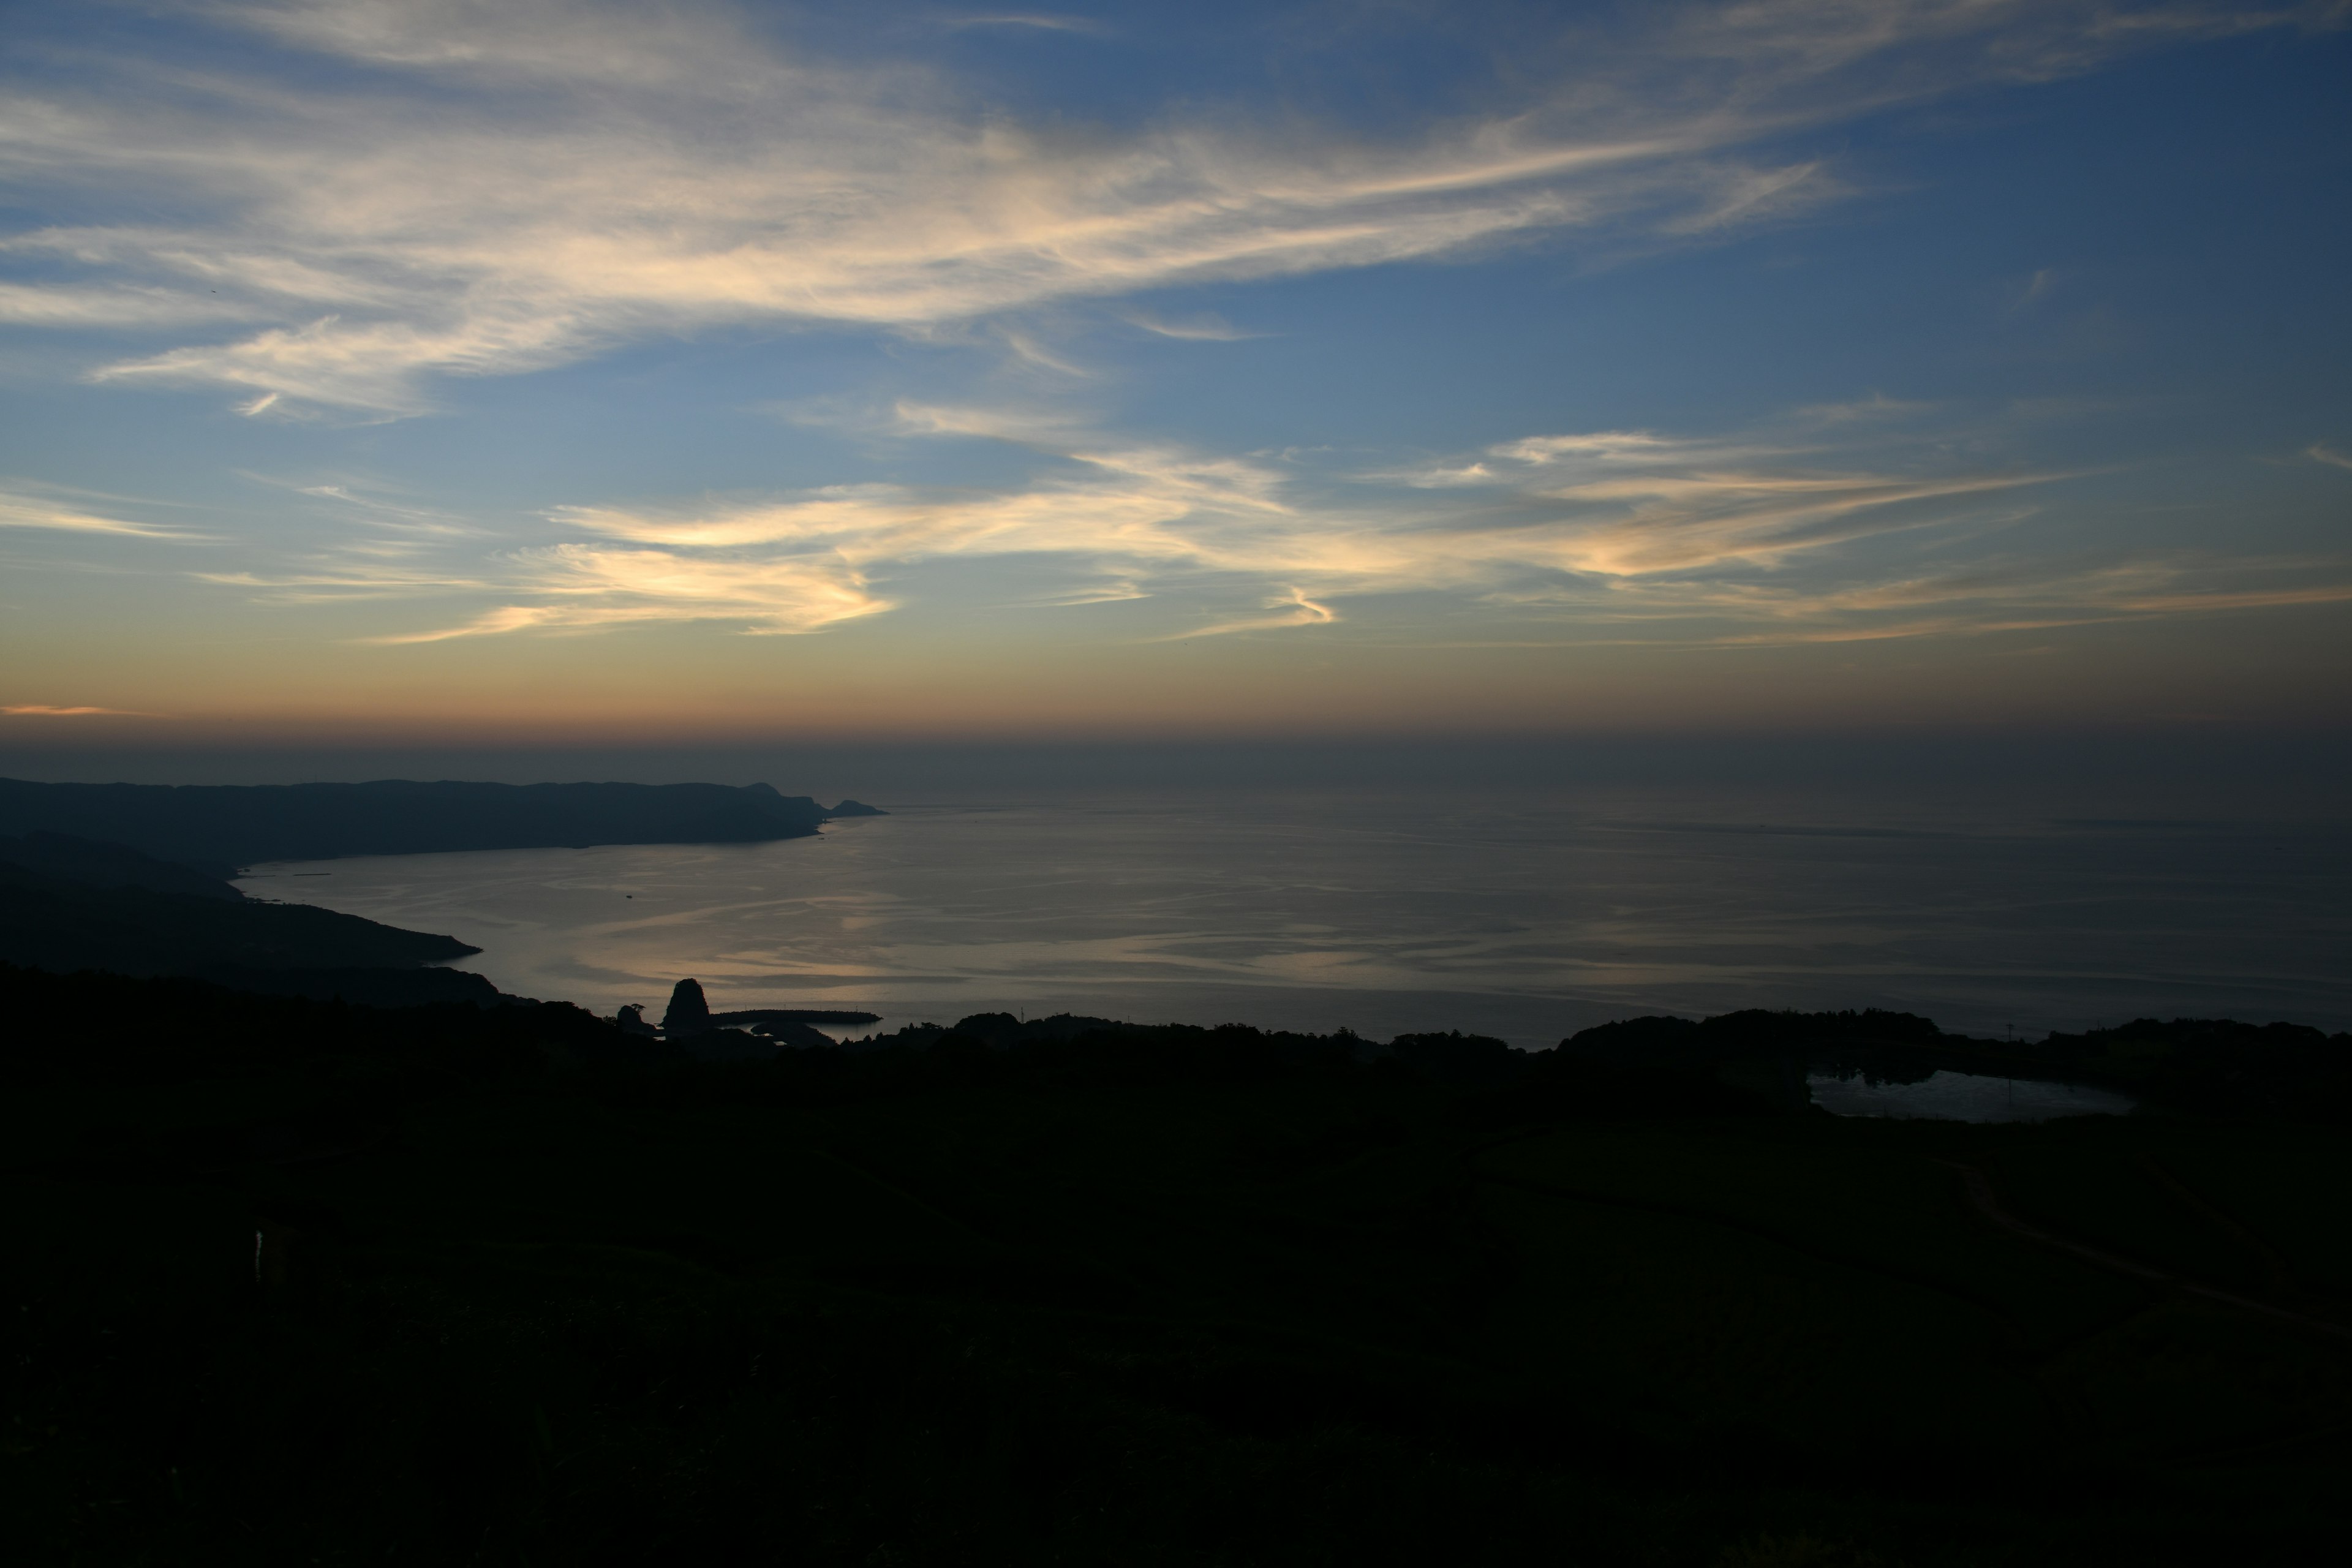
{"points": [[1965, 1097], [1525, 917]]}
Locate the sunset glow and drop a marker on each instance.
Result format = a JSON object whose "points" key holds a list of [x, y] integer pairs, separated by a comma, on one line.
{"points": [[387, 368]]}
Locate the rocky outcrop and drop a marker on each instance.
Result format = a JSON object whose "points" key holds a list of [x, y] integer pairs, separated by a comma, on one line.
{"points": [[689, 1012]]}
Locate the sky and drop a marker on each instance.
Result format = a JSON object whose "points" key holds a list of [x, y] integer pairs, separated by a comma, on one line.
{"points": [[543, 372]]}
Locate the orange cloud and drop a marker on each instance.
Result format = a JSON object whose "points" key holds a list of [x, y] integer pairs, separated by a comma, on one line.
{"points": [[43, 711]]}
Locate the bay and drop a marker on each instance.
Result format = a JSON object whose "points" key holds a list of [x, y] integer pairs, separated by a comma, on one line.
{"points": [[1524, 914]]}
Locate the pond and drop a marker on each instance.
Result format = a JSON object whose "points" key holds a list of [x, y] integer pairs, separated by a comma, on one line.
{"points": [[1965, 1097]]}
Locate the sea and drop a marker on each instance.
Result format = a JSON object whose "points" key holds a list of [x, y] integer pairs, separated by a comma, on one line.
{"points": [[1525, 914]]}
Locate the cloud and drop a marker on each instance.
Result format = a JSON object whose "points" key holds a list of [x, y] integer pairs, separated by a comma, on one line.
{"points": [[506, 618], [585, 587], [1704, 520], [2320, 452], [113, 308], [489, 189], [1294, 609], [20, 509], [42, 711], [1876, 407], [1985, 598], [1563, 518], [1811, 526], [1205, 328], [1630, 503], [335, 586], [707, 47], [1737, 195], [373, 503], [1042, 21], [1112, 591], [2243, 599], [1029, 350], [365, 366]]}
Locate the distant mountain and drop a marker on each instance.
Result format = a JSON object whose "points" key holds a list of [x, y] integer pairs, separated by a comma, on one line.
{"points": [[97, 865], [217, 828]]}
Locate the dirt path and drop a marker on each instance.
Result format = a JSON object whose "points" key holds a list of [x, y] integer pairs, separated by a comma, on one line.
{"points": [[1981, 1194]]}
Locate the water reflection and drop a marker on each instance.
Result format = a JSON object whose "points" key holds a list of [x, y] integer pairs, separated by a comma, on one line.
{"points": [[1520, 916], [1964, 1097]]}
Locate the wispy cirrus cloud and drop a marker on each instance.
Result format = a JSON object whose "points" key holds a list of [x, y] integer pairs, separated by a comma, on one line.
{"points": [[1204, 328], [1785, 533], [586, 587], [32, 509], [1042, 21], [1292, 607], [507, 188], [1635, 502], [2000, 595], [330, 587], [66, 306], [1751, 539]]}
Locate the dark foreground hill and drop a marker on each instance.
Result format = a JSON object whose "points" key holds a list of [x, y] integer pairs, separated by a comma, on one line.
{"points": [[218, 828], [290, 1282], [2211, 1067]]}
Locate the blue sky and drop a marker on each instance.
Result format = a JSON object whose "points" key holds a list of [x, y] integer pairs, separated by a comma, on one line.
{"points": [[562, 370]]}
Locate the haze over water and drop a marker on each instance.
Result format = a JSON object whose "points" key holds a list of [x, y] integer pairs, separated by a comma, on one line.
{"points": [[1526, 915]]}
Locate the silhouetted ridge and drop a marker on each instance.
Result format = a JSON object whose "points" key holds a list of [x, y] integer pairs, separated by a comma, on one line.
{"points": [[219, 828], [1650, 1039], [1454, 1057], [2209, 1066], [2214, 1066], [1659, 1039], [117, 910], [366, 987], [99, 865], [55, 924]]}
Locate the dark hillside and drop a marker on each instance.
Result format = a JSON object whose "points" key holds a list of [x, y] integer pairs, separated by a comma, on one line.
{"points": [[102, 864], [52, 923], [2196, 1066], [294, 1282]]}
